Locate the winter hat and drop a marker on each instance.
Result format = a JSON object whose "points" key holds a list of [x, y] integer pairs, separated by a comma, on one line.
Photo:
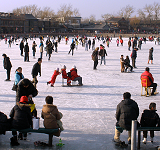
{"points": [[23, 99], [57, 69], [64, 67], [74, 67], [4, 55]]}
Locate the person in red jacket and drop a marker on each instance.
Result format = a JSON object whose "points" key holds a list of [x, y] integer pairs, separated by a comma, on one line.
{"points": [[65, 76], [147, 75], [75, 76], [53, 78]]}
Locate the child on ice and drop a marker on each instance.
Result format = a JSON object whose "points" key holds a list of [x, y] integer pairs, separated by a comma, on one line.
{"points": [[53, 78]]}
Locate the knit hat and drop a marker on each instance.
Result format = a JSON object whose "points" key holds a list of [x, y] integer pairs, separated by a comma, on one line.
{"points": [[23, 99], [64, 67], [57, 69], [74, 67]]}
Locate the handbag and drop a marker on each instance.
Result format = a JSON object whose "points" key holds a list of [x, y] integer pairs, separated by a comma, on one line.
{"points": [[14, 88], [36, 123]]}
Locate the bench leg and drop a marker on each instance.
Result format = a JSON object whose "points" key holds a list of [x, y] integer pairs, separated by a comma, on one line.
{"points": [[50, 140], [139, 139]]}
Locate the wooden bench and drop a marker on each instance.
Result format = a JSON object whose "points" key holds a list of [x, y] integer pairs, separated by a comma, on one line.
{"points": [[40, 130], [139, 129]]}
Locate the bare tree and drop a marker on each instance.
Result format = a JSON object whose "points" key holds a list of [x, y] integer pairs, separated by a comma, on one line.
{"points": [[35, 11], [126, 12], [141, 14], [156, 9], [106, 16], [149, 9]]}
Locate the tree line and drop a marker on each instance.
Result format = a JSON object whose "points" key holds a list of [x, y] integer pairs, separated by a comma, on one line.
{"points": [[148, 12]]}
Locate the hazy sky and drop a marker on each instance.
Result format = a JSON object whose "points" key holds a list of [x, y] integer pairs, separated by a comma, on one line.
{"points": [[85, 7]]}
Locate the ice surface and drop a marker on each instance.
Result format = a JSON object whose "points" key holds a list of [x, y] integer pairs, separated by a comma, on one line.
{"points": [[88, 110]]}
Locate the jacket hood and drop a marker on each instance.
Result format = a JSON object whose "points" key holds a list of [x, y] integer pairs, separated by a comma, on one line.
{"points": [[49, 107]]}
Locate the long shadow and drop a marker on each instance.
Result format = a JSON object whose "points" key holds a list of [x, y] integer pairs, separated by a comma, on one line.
{"points": [[88, 109]]}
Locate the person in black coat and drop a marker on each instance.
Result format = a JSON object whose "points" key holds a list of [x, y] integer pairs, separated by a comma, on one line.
{"points": [[35, 70], [72, 46], [26, 50], [134, 56], [89, 43], [95, 58], [127, 64], [127, 110], [4, 123], [21, 119], [25, 88], [149, 118], [7, 65], [21, 47]]}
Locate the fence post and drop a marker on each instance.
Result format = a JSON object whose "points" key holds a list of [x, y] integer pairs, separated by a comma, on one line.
{"points": [[133, 134]]}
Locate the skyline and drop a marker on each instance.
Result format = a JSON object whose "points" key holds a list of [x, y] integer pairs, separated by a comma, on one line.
{"points": [[86, 8]]}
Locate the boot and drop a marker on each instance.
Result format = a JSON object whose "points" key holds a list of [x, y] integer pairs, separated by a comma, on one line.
{"points": [[14, 141], [20, 136]]}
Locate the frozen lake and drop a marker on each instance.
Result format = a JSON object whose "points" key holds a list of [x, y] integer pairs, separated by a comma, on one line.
{"points": [[88, 110]]}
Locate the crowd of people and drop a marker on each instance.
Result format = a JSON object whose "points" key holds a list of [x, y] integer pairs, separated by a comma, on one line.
{"points": [[127, 109]]}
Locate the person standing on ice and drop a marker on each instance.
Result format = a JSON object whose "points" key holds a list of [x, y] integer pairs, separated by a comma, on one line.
{"points": [[41, 49], [89, 43], [86, 44], [93, 44], [95, 58], [26, 52], [127, 110], [134, 56], [35, 70], [53, 78], [117, 41], [102, 53], [21, 47], [7, 65]]}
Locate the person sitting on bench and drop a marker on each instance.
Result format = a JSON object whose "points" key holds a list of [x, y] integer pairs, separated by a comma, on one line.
{"points": [[75, 76], [21, 119], [149, 118], [147, 75], [65, 76]]}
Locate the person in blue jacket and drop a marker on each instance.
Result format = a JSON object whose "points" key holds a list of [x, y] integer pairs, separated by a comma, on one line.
{"points": [[18, 75]]}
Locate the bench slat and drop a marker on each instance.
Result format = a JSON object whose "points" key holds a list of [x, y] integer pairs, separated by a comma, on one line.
{"points": [[40, 130]]}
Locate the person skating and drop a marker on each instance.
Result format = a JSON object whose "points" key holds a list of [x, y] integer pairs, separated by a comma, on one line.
{"points": [[72, 46], [7, 65], [127, 110], [35, 70], [75, 76], [150, 80], [41, 49], [53, 78]]}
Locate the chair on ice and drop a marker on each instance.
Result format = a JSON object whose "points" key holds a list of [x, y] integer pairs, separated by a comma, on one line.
{"points": [[147, 90]]}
